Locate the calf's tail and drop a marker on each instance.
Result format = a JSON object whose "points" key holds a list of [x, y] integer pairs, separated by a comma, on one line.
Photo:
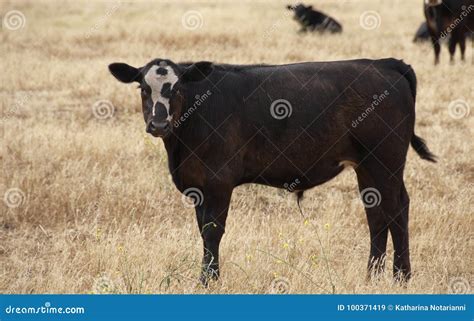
{"points": [[417, 142], [409, 74], [421, 149]]}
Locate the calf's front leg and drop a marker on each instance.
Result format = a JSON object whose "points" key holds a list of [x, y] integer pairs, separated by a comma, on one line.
{"points": [[211, 216]]}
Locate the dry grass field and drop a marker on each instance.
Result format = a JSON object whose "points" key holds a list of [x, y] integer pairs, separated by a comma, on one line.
{"points": [[88, 203]]}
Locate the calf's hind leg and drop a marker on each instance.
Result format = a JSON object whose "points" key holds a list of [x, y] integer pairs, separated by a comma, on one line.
{"points": [[387, 204], [399, 230], [378, 227]]}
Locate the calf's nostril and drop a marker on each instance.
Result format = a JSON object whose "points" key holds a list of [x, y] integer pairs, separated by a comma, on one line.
{"points": [[152, 126]]}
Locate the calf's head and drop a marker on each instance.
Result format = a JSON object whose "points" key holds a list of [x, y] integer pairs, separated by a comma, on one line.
{"points": [[300, 10], [161, 83]]}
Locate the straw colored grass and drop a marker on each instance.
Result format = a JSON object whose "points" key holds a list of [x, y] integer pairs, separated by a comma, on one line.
{"points": [[98, 211]]}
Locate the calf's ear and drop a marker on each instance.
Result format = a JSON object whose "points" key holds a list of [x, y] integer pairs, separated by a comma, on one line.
{"points": [[197, 71], [125, 73]]}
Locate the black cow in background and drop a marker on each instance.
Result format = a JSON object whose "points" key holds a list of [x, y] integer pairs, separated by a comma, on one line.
{"points": [[422, 34], [452, 18], [313, 20]]}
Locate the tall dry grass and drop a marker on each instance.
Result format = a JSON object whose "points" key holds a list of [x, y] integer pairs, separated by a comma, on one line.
{"points": [[97, 211]]}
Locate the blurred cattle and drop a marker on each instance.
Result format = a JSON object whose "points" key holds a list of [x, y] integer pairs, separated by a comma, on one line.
{"points": [[313, 20], [422, 34], [449, 18]]}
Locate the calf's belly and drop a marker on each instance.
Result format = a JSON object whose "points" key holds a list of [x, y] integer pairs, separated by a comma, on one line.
{"points": [[293, 175]]}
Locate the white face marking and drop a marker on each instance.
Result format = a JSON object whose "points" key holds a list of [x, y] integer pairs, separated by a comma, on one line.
{"points": [[347, 163], [433, 2], [156, 82]]}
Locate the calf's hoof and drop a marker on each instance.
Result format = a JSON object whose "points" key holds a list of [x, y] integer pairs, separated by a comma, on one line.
{"points": [[402, 275], [208, 275]]}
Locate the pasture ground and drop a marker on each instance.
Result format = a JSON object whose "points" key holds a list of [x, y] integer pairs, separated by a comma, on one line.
{"points": [[89, 205]]}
